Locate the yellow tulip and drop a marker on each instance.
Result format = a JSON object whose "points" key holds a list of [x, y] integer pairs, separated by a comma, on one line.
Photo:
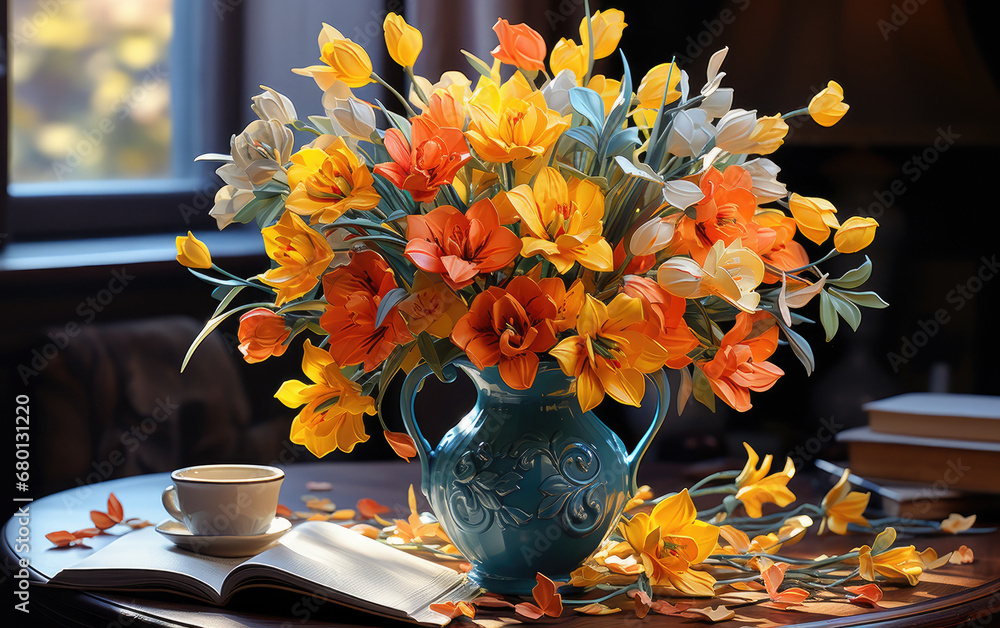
{"points": [[768, 134], [650, 93], [348, 61], [755, 489], [511, 122], [338, 426], [855, 234], [403, 41], [814, 216], [192, 252], [894, 564], [828, 106], [607, 88], [607, 26], [302, 255], [842, 506], [569, 55]]}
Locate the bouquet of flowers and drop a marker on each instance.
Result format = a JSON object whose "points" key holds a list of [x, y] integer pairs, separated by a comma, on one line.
{"points": [[521, 213]]}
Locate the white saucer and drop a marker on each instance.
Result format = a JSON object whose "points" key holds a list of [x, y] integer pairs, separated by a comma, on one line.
{"points": [[223, 546]]}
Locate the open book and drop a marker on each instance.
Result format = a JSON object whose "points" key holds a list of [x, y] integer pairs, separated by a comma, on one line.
{"points": [[315, 557]]}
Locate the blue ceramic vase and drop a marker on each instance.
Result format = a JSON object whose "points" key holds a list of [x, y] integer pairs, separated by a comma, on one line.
{"points": [[527, 481]]}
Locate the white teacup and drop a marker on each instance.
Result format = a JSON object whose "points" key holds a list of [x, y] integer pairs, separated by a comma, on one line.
{"points": [[224, 499]]}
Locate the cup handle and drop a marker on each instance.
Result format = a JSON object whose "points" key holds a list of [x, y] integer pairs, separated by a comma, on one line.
{"points": [[411, 386], [169, 499], [662, 406]]}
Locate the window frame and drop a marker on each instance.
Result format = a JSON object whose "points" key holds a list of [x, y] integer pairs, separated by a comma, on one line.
{"points": [[210, 101]]}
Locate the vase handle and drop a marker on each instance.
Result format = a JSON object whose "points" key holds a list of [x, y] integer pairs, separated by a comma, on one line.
{"points": [[411, 386], [662, 406]]}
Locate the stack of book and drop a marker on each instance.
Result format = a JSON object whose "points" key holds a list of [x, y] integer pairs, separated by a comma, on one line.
{"points": [[933, 453]]}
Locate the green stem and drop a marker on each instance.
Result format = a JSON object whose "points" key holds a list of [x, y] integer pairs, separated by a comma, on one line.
{"points": [[721, 475], [406, 106], [798, 112], [416, 86], [242, 280], [604, 598]]}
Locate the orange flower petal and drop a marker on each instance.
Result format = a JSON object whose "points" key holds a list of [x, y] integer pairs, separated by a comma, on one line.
{"points": [[115, 511], [61, 538], [402, 444], [369, 508], [101, 519]]}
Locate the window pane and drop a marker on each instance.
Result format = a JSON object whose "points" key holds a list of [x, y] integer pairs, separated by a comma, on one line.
{"points": [[91, 90]]}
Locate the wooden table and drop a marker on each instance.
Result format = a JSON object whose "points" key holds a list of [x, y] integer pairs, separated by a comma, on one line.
{"points": [[948, 596]]}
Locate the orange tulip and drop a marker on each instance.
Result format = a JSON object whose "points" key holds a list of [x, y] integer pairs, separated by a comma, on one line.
{"points": [[460, 246], [664, 315], [740, 365], [610, 354], [446, 110], [327, 179], [337, 426], [431, 159], [353, 293], [302, 255], [725, 213], [262, 334], [509, 328], [520, 45]]}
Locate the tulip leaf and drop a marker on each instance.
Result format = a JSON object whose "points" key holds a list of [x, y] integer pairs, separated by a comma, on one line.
{"points": [[225, 299], [299, 125], [847, 310], [854, 278], [210, 327], [397, 121], [389, 301], [215, 157], [864, 299], [619, 112], [389, 369], [622, 141], [703, 389], [256, 205], [588, 104], [800, 347], [478, 64], [429, 352], [216, 282], [586, 135], [884, 541], [269, 215], [828, 315]]}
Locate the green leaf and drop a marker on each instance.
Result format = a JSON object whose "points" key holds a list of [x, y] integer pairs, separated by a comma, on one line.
{"points": [[226, 299], [398, 122], [884, 540], [828, 315], [586, 135], [214, 281], [623, 141], [425, 342], [864, 299], [847, 310], [388, 302], [854, 278], [703, 389], [304, 306], [389, 369], [800, 347], [588, 104], [617, 115], [299, 125], [478, 64]]}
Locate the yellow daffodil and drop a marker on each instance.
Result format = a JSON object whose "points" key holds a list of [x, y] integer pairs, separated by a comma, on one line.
{"points": [[842, 506], [755, 489], [569, 55], [956, 523], [896, 563], [192, 252], [403, 41], [814, 216], [343, 60], [767, 135], [669, 540], [333, 416], [855, 234], [328, 179], [504, 127], [608, 356], [607, 26], [302, 255], [562, 221], [828, 106]]}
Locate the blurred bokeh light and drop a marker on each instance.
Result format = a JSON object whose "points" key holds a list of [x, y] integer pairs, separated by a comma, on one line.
{"points": [[90, 90]]}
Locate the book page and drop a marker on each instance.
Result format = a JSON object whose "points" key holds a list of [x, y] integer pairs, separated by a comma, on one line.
{"points": [[358, 570], [144, 559]]}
